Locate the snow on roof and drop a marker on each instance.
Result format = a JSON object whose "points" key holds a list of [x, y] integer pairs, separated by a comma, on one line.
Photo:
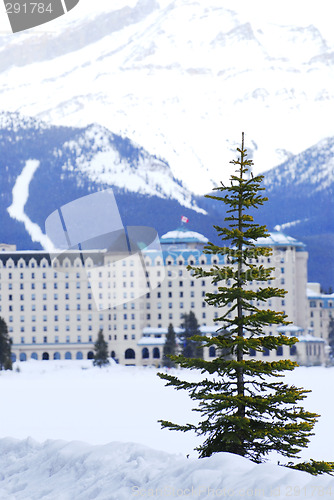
{"points": [[152, 341], [290, 329], [310, 338], [181, 235], [279, 238]]}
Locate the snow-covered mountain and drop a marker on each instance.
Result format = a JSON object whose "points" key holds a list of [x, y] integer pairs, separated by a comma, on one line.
{"points": [[182, 78], [43, 167]]}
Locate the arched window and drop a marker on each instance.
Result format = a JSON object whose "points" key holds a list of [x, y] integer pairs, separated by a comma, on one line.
{"points": [[56, 355], [156, 353], [130, 354], [79, 355], [45, 356], [266, 351], [34, 355], [252, 352], [145, 353], [279, 351], [212, 351], [23, 356], [13, 357], [90, 355], [68, 355], [113, 354]]}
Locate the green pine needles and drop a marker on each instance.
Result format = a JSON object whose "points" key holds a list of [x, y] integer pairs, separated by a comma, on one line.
{"points": [[244, 408]]}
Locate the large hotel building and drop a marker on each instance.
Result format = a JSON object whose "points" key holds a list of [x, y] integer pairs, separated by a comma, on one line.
{"points": [[54, 305]]}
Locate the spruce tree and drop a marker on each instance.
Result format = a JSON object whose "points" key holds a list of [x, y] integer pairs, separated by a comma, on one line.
{"points": [[101, 351], [5, 347], [169, 348], [191, 348], [245, 409]]}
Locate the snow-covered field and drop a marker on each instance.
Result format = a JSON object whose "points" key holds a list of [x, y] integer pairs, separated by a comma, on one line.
{"points": [[72, 431]]}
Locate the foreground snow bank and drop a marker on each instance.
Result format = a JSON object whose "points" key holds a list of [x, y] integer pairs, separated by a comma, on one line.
{"points": [[121, 471]]}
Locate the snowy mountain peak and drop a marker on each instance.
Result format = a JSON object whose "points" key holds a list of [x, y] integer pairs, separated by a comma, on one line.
{"points": [[312, 170], [182, 78], [106, 158]]}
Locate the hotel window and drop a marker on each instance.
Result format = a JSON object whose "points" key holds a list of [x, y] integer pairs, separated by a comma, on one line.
{"points": [[21, 286], [33, 286], [34, 340], [56, 339], [67, 339], [45, 340], [44, 296], [22, 340]]}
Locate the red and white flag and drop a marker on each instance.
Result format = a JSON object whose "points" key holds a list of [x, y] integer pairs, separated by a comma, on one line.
{"points": [[184, 219]]}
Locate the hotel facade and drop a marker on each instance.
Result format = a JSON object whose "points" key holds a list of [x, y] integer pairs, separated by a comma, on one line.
{"points": [[54, 306]]}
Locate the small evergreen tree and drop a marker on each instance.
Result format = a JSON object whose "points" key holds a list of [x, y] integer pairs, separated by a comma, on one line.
{"points": [[169, 348], [191, 347], [5, 347], [331, 337], [101, 351], [243, 411]]}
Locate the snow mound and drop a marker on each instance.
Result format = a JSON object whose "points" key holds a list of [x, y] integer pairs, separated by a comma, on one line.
{"points": [[120, 471]]}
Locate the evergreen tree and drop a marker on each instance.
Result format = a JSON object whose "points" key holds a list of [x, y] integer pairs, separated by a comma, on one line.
{"points": [[244, 408], [5, 347], [101, 351], [169, 348], [191, 348], [331, 337]]}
